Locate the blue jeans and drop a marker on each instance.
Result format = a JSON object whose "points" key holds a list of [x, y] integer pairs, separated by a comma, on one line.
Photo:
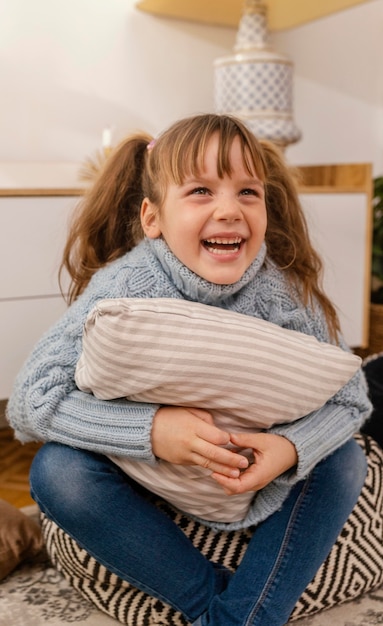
{"points": [[110, 516]]}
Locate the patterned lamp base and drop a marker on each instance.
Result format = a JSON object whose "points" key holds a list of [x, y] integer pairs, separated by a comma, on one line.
{"points": [[255, 83]]}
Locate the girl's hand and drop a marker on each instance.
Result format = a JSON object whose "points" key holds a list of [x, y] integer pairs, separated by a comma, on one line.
{"points": [[273, 455], [187, 436]]}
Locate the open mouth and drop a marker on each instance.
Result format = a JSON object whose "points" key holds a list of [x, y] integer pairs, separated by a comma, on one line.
{"points": [[219, 245]]}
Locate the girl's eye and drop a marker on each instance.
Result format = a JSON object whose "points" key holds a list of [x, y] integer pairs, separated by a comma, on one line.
{"points": [[249, 192], [200, 191]]}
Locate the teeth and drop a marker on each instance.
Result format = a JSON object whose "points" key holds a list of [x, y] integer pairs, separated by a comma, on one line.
{"points": [[222, 241], [234, 240], [218, 250]]}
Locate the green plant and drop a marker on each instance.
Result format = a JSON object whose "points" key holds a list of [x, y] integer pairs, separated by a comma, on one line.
{"points": [[377, 243]]}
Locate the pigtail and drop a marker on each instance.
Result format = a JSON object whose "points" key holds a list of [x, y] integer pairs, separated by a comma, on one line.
{"points": [[287, 236], [106, 223]]}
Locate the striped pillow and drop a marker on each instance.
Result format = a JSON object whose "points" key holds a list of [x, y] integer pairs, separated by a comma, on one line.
{"points": [[248, 372]]}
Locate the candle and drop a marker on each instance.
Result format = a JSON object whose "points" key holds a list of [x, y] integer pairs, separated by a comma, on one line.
{"points": [[106, 138]]}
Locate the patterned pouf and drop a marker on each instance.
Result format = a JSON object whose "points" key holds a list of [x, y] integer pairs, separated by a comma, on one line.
{"points": [[353, 567]]}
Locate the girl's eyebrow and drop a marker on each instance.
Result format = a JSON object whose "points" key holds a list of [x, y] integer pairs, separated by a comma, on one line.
{"points": [[202, 178]]}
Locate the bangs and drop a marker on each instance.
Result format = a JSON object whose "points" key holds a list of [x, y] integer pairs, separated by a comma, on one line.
{"points": [[181, 154]]}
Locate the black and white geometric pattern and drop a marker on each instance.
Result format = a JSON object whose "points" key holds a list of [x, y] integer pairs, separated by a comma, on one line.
{"points": [[354, 566]]}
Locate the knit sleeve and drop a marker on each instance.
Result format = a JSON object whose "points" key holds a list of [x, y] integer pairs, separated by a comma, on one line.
{"points": [[45, 404], [320, 433]]}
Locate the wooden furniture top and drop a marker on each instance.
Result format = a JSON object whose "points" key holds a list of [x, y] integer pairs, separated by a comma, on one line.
{"points": [[40, 192]]}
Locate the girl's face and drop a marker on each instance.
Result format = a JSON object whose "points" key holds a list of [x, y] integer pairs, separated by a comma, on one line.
{"points": [[215, 226]]}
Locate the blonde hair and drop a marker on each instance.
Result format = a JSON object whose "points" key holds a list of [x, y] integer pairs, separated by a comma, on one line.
{"points": [[107, 224]]}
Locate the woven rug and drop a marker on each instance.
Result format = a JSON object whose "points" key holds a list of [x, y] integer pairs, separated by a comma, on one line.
{"points": [[36, 594]]}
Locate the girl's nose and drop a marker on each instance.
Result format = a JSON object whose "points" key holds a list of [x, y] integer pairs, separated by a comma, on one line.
{"points": [[227, 209]]}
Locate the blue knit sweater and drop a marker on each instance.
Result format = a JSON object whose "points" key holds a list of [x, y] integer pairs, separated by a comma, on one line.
{"points": [[45, 404]]}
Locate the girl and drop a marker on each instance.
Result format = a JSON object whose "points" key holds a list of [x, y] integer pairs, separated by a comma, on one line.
{"points": [[222, 225]]}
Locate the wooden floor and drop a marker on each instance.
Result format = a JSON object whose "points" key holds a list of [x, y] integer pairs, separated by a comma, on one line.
{"points": [[15, 461]]}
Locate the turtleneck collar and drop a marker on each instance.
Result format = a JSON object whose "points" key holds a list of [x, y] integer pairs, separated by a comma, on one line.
{"points": [[192, 286]]}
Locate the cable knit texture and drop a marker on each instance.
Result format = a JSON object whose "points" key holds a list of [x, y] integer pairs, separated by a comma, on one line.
{"points": [[46, 405]]}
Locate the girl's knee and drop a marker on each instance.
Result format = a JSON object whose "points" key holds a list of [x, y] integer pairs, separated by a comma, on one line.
{"points": [[59, 478], [53, 463], [349, 467], [48, 466]]}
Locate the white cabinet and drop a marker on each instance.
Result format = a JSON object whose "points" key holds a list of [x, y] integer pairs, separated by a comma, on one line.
{"points": [[339, 228], [32, 233], [337, 201]]}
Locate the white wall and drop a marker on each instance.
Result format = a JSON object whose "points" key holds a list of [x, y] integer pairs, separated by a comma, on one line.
{"points": [[70, 68], [338, 86]]}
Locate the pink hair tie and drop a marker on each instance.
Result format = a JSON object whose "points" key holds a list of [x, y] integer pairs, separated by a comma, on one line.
{"points": [[151, 145]]}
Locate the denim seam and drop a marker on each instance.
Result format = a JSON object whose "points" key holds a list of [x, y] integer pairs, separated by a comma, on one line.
{"points": [[282, 551]]}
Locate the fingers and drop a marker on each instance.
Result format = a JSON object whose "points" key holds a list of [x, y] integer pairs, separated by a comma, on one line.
{"points": [[211, 435], [273, 455], [276, 451], [245, 440], [209, 452], [187, 436], [246, 481], [202, 414], [222, 461]]}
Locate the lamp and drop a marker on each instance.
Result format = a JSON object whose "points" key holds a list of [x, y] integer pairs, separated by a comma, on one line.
{"points": [[256, 83]]}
